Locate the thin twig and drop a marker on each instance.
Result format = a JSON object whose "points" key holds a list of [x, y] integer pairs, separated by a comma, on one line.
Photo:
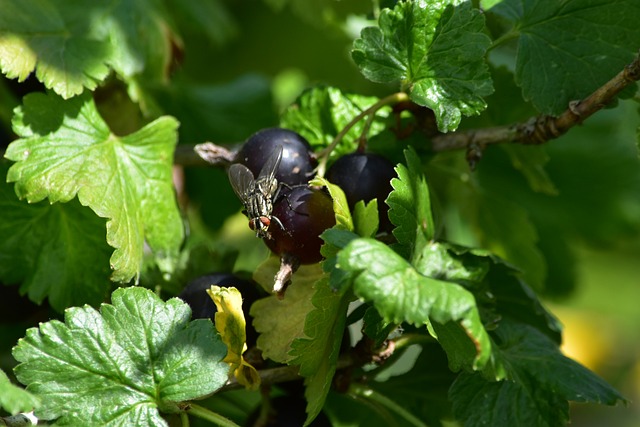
{"points": [[543, 128], [324, 154]]}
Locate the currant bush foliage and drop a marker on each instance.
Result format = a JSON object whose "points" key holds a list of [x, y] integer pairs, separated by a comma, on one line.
{"points": [[94, 200]]}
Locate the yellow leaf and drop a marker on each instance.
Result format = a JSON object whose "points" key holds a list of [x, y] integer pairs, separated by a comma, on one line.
{"points": [[231, 324]]}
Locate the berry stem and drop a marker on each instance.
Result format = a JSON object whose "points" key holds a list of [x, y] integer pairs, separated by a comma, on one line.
{"points": [[323, 156], [209, 415], [367, 393], [288, 265]]}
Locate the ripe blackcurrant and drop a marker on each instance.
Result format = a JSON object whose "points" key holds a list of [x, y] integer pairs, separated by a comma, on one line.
{"points": [[364, 176], [305, 213], [297, 164]]}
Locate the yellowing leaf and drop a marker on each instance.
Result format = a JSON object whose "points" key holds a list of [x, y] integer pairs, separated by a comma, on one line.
{"points": [[231, 325], [279, 322]]}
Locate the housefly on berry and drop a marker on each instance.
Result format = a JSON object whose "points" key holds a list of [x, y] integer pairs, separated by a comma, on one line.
{"points": [[257, 195]]}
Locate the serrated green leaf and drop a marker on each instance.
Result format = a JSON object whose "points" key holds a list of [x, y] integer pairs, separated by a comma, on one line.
{"points": [[66, 150], [515, 299], [568, 49], [71, 50], [511, 402], [322, 112], [13, 399], [542, 381], [54, 251], [410, 206], [365, 218], [401, 294], [336, 239], [435, 51], [279, 322], [317, 350], [136, 357]]}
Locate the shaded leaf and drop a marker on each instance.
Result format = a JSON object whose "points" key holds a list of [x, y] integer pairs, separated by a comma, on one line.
{"points": [[541, 383], [568, 49], [54, 251]]}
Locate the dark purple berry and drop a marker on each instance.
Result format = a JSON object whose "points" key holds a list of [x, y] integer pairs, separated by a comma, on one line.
{"points": [[297, 164], [364, 176], [304, 213]]}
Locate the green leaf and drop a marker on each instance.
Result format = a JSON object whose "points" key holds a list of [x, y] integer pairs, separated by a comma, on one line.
{"points": [[448, 262], [410, 206], [375, 327], [71, 51], [67, 149], [568, 49], [507, 230], [136, 357], [541, 383], [279, 322], [435, 50], [55, 251], [365, 218], [340, 205], [317, 350], [321, 113], [336, 239], [515, 299], [530, 160], [208, 18], [401, 294], [13, 399]]}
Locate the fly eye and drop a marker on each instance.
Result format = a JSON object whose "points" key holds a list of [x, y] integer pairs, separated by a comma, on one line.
{"points": [[252, 225], [265, 221]]}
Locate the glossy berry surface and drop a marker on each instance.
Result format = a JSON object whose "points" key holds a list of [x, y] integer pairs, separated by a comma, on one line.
{"points": [[364, 176], [203, 307], [305, 213], [296, 166]]}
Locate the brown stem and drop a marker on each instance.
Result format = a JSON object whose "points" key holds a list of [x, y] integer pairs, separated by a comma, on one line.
{"points": [[288, 265], [540, 129]]}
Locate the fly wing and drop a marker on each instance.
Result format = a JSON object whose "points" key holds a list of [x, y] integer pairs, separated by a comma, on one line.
{"points": [[270, 168], [241, 180]]}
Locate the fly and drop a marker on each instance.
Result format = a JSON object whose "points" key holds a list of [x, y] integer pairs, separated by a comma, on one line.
{"points": [[257, 195]]}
